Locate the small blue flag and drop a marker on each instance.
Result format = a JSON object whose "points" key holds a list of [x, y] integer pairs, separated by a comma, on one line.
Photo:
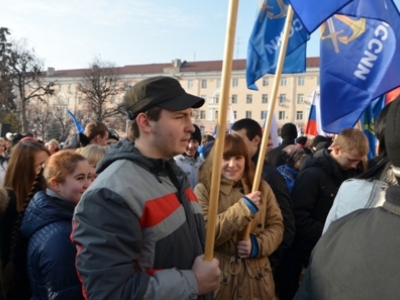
{"points": [[78, 126], [266, 39], [360, 51], [368, 122]]}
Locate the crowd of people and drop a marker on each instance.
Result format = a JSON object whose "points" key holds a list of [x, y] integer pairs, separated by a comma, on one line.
{"points": [[101, 217]]}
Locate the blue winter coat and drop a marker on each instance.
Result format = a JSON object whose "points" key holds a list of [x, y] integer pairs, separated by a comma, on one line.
{"points": [[47, 224]]}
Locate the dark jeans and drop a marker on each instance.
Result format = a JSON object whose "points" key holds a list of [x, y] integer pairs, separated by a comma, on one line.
{"points": [[287, 275]]}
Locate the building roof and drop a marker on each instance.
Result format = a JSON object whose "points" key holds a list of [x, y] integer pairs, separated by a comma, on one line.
{"points": [[185, 67]]}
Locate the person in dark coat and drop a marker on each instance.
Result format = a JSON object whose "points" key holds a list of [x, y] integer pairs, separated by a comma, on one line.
{"points": [[301, 141], [313, 193], [357, 257], [288, 134], [47, 224]]}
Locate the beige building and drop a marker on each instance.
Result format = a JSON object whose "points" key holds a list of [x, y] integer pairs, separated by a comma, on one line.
{"points": [[203, 79]]}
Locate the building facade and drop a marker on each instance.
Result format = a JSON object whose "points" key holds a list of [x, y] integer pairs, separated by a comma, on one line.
{"points": [[203, 79]]}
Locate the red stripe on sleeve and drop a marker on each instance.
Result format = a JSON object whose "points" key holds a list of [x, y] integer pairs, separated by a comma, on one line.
{"points": [[152, 271], [157, 210], [191, 195]]}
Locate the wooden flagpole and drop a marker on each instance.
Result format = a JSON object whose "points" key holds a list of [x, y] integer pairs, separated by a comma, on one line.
{"points": [[221, 127], [271, 108]]}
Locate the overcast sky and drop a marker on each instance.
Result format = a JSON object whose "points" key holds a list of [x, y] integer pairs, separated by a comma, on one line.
{"points": [[68, 34]]}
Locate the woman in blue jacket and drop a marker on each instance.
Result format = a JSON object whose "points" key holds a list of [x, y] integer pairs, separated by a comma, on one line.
{"points": [[47, 223]]}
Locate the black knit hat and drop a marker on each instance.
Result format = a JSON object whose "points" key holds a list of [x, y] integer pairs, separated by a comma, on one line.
{"points": [[302, 140], [392, 136], [318, 139], [289, 131], [196, 135], [165, 92]]}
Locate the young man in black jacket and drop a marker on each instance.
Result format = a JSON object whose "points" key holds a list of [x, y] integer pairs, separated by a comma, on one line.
{"points": [[313, 193], [357, 257]]}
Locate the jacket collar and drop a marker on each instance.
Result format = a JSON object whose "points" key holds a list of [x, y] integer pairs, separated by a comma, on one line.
{"points": [[226, 186]]}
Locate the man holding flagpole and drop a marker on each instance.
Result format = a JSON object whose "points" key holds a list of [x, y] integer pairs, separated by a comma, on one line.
{"points": [[139, 229]]}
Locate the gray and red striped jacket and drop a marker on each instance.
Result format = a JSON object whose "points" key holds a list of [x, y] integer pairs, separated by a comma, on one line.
{"points": [[138, 229]]}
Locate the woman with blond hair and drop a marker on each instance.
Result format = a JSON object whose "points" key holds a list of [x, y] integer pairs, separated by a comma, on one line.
{"points": [[47, 225], [53, 146], [245, 268], [93, 154]]}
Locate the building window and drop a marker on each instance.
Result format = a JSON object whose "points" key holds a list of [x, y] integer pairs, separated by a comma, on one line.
{"points": [[216, 115], [283, 81], [80, 100], [112, 101], [281, 115], [216, 99], [265, 81], [69, 88], [235, 114], [235, 82], [263, 114], [299, 115], [300, 98], [317, 80], [59, 87], [218, 83], [249, 99], [202, 114], [68, 100], [204, 84], [234, 98], [264, 98], [202, 129], [282, 99], [300, 81], [248, 114], [190, 84]]}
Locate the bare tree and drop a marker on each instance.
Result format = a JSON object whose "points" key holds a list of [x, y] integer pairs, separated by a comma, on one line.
{"points": [[40, 118], [59, 108], [7, 97], [25, 70], [99, 89]]}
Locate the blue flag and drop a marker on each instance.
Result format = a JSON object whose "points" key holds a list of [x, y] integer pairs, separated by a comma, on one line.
{"points": [[266, 39], [313, 13], [360, 52], [368, 122], [78, 126]]}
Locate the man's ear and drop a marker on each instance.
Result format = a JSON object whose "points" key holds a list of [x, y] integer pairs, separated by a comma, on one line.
{"points": [[143, 123], [98, 138], [335, 149], [256, 140]]}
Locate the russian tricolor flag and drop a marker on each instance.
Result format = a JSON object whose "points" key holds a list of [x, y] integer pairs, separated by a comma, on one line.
{"points": [[390, 96], [314, 118]]}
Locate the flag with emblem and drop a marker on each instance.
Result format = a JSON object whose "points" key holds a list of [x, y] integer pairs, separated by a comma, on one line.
{"points": [[265, 43], [360, 51], [368, 122], [313, 13]]}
